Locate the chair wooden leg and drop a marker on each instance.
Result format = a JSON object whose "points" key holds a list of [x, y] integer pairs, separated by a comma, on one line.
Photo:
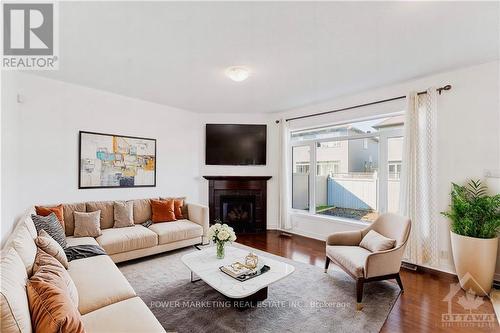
{"points": [[359, 293], [327, 263], [400, 283]]}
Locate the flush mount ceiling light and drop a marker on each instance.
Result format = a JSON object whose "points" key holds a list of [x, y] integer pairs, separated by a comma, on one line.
{"points": [[237, 73]]}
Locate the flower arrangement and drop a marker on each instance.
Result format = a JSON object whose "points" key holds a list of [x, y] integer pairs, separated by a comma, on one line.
{"points": [[221, 234]]}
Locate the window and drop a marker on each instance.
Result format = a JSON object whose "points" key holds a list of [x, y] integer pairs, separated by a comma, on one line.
{"points": [[395, 157], [325, 168], [301, 160], [357, 168]]}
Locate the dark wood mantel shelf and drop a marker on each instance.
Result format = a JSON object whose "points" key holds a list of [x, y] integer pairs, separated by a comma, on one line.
{"points": [[242, 178], [254, 187]]}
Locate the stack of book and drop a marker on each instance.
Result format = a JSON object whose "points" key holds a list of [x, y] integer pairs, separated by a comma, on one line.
{"points": [[237, 270]]}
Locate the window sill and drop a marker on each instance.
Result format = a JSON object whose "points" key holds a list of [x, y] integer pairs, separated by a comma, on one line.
{"points": [[330, 219]]}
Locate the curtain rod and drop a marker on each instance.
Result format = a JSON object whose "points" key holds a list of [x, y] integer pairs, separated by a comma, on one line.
{"points": [[439, 90]]}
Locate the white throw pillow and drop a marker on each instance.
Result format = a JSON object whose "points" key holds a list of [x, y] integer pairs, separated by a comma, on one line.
{"points": [[375, 242]]}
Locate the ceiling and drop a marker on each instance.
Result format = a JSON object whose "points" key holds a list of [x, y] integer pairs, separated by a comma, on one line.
{"points": [[299, 52]]}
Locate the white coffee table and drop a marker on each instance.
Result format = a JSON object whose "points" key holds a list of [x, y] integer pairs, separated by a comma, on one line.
{"points": [[205, 265]]}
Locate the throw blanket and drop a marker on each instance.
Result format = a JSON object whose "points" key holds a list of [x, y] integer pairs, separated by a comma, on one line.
{"points": [[83, 251]]}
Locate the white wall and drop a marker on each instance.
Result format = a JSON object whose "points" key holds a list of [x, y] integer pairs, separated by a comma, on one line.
{"points": [[270, 169], [40, 146], [40, 143], [468, 136]]}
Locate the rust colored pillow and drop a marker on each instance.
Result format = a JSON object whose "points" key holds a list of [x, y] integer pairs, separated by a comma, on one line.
{"points": [[178, 204], [51, 308], [162, 211], [52, 297], [46, 211]]}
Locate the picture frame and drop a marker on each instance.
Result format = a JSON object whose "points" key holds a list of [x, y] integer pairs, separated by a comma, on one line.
{"points": [[115, 161]]}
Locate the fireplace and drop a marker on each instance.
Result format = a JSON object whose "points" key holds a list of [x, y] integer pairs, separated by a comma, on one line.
{"points": [[238, 211], [240, 202]]}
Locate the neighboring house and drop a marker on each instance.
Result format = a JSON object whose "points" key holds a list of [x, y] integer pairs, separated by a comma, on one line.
{"points": [[351, 164], [395, 145], [338, 157]]}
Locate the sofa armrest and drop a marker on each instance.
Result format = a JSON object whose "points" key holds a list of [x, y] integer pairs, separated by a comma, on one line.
{"points": [[384, 262], [199, 214], [352, 238]]}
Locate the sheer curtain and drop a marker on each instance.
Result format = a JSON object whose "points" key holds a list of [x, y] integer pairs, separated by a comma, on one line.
{"points": [[284, 176], [418, 177]]}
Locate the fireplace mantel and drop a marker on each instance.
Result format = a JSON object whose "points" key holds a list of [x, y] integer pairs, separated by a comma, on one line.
{"points": [[240, 178], [220, 187]]}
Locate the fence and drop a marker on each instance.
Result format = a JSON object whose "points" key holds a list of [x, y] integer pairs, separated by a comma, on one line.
{"points": [[354, 192]]}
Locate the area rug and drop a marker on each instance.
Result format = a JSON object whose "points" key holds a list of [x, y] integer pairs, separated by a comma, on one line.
{"points": [[306, 301]]}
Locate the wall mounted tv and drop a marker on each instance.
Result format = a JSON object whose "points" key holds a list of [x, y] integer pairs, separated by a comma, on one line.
{"points": [[230, 144]]}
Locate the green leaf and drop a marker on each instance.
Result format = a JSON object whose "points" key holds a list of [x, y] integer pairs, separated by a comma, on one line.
{"points": [[472, 212]]}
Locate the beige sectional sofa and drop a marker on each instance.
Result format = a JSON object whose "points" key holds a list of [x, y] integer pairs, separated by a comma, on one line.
{"points": [[107, 301]]}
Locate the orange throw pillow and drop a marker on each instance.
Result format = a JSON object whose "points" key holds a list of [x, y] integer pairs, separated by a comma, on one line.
{"points": [[51, 309], [178, 204], [51, 298], [46, 211], [162, 210]]}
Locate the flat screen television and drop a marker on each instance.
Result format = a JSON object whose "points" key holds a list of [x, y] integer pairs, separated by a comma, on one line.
{"points": [[230, 144]]}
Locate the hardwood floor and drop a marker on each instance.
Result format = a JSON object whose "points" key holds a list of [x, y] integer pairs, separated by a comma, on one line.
{"points": [[419, 309]]}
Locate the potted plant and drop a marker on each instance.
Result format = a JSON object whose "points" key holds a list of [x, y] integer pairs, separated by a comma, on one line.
{"points": [[475, 222], [220, 234]]}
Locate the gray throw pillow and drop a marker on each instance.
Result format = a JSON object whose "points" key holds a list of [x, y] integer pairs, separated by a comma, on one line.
{"points": [[52, 226], [124, 214], [87, 224]]}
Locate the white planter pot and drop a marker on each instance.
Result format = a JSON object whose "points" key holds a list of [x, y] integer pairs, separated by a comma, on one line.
{"points": [[475, 260]]}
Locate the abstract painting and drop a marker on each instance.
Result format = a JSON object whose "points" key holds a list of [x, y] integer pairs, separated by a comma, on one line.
{"points": [[108, 160]]}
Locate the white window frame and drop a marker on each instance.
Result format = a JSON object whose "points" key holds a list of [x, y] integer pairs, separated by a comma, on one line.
{"points": [[383, 172]]}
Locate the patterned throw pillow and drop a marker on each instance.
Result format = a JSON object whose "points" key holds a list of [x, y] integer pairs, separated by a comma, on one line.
{"points": [[45, 211], [52, 226]]}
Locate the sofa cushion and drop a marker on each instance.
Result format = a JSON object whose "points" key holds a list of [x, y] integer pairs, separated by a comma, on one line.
{"points": [[74, 241], [124, 214], [51, 307], [49, 269], [375, 242], [99, 283], [127, 239], [46, 211], [24, 244], [51, 247], [122, 317], [169, 232], [52, 226], [162, 210], [142, 210], [107, 212], [69, 220], [183, 208], [352, 258], [87, 224], [15, 312]]}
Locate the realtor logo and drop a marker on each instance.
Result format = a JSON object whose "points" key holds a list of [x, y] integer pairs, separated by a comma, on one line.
{"points": [[29, 32]]}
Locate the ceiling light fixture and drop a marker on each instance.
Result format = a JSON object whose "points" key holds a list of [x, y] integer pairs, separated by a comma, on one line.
{"points": [[237, 73]]}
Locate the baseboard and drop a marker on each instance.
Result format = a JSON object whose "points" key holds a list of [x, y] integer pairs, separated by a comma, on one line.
{"points": [[305, 234]]}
